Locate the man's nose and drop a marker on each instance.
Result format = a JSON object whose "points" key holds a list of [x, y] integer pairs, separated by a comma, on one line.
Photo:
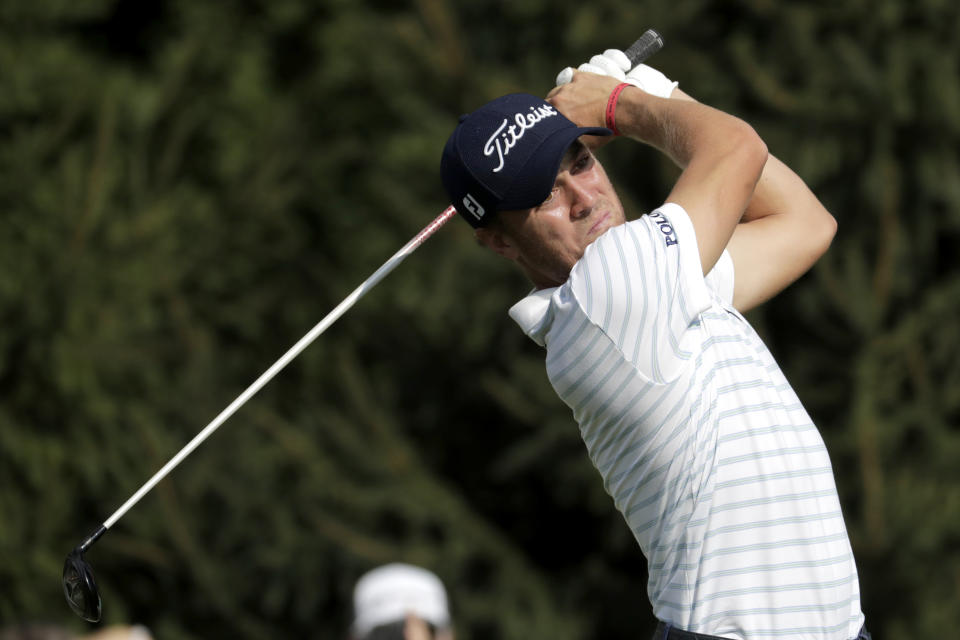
{"points": [[582, 200]]}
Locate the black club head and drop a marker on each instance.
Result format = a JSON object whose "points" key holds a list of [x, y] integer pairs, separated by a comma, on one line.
{"points": [[79, 587]]}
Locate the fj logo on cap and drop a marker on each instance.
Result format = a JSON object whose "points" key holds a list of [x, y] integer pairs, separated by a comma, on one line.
{"points": [[471, 205], [505, 138]]}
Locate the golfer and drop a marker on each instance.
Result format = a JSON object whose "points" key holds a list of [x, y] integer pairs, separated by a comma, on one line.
{"points": [[702, 443]]}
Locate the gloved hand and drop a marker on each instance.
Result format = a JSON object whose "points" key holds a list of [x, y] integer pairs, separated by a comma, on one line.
{"points": [[614, 63]]}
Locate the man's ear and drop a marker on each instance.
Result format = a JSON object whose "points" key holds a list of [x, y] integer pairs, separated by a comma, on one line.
{"points": [[497, 241]]}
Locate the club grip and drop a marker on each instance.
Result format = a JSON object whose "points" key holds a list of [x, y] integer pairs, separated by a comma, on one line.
{"points": [[647, 45]]}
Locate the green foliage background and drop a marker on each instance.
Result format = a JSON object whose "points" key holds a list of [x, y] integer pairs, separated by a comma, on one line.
{"points": [[187, 187]]}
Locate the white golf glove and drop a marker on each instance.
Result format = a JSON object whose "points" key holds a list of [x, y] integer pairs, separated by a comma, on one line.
{"points": [[614, 63]]}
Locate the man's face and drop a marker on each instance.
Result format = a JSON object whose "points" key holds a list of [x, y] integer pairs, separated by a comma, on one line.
{"points": [[547, 240]]}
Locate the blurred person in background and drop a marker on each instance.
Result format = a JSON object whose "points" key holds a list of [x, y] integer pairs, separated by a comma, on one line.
{"points": [[400, 602]]}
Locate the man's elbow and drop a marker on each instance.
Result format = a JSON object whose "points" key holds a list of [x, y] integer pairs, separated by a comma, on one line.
{"points": [[752, 151], [823, 234]]}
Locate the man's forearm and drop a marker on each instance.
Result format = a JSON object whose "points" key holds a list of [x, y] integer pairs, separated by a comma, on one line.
{"points": [[678, 128], [721, 156], [785, 229]]}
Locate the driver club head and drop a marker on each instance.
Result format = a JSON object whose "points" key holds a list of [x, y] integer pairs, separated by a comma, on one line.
{"points": [[79, 587]]}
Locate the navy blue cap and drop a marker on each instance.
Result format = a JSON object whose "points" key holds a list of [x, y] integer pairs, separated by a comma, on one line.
{"points": [[506, 155]]}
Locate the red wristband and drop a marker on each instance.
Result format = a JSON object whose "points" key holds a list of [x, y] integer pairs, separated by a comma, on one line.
{"points": [[612, 107]]}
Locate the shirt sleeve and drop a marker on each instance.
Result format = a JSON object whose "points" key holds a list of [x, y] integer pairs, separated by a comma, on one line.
{"points": [[720, 280], [642, 284]]}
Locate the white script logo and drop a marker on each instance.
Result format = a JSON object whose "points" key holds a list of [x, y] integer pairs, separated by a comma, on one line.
{"points": [[502, 141]]}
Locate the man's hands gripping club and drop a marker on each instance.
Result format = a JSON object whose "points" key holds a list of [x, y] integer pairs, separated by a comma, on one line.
{"points": [[614, 66], [614, 63]]}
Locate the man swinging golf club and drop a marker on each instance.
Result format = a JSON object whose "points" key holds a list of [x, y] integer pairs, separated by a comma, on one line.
{"points": [[702, 443], [705, 448]]}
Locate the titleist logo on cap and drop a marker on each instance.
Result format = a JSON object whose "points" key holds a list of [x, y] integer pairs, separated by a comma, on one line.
{"points": [[503, 140]]}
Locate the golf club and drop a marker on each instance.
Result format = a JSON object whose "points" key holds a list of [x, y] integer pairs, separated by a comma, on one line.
{"points": [[79, 586]]}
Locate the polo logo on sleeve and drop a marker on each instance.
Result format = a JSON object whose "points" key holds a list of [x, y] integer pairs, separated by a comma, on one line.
{"points": [[506, 137], [665, 227]]}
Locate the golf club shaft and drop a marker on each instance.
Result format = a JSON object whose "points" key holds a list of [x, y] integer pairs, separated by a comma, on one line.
{"points": [[277, 366]]}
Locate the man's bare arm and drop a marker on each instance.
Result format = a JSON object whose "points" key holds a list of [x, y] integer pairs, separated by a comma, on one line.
{"points": [[784, 231], [722, 157]]}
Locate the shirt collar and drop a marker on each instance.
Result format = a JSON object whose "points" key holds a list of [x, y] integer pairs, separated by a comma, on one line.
{"points": [[532, 313]]}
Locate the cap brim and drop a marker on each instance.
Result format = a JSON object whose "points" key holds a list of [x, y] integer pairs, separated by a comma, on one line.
{"points": [[533, 186]]}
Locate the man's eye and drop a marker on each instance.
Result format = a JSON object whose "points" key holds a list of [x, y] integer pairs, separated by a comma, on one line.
{"points": [[553, 193], [583, 161]]}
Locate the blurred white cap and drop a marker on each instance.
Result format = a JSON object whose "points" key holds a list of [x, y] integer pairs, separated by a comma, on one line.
{"points": [[121, 632], [391, 592]]}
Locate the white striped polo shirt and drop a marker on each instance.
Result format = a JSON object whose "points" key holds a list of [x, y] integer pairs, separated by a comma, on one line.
{"points": [[702, 443]]}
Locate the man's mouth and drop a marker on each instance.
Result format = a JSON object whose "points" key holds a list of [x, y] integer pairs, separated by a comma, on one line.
{"points": [[598, 225]]}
